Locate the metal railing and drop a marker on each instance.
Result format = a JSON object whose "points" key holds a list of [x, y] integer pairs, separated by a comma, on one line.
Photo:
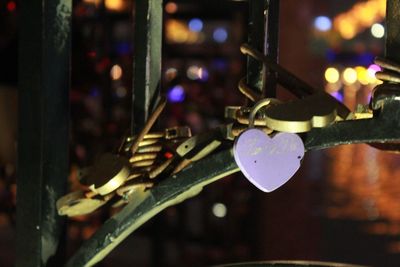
{"points": [[44, 78]]}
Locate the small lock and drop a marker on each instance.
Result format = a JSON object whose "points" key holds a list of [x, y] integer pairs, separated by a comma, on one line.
{"points": [[231, 112], [301, 115], [108, 173], [77, 204], [177, 132], [267, 162]]}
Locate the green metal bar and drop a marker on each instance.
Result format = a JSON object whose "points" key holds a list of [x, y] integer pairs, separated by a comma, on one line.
{"points": [[44, 63], [271, 45], [393, 30], [256, 39], [147, 61]]}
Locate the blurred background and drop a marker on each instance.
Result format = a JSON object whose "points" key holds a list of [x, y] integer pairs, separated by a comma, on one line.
{"points": [[343, 205]]}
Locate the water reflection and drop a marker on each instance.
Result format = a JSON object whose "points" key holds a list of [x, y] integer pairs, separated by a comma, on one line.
{"points": [[363, 186]]}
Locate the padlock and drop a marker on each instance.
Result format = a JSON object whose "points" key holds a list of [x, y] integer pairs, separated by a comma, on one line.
{"points": [[267, 162]]}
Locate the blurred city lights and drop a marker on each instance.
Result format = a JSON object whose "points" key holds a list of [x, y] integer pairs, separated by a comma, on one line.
{"points": [[93, 2], [323, 23], [116, 72], [203, 74], [178, 32], [333, 87], [349, 76], [372, 69], [115, 5], [171, 8], [219, 210], [176, 94], [195, 25], [331, 75], [362, 75], [121, 91], [11, 6], [94, 92], [337, 95], [197, 73], [220, 35], [377, 30], [171, 74], [192, 72], [361, 16]]}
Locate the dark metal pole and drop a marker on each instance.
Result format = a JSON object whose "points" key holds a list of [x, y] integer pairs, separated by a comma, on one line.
{"points": [[256, 37], [393, 30], [271, 44], [263, 35], [147, 61], [44, 75]]}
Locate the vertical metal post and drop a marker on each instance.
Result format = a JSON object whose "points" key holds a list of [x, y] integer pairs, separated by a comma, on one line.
{"points": [[271, 43], [256, 37], [147, 62], [44, 62], [393, 30], [263, 35]]}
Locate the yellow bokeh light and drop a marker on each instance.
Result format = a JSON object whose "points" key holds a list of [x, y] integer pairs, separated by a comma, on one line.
{"points": [[115, 5], [93, 2], [116, 72], [361, 16], [349, 76], [331, 75], [177, 31], [362, 75]]}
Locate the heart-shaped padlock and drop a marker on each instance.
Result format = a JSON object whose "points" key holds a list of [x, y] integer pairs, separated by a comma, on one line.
{"points": [[267, 162]]}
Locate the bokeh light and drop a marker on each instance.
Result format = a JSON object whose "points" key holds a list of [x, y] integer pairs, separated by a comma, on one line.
{"points": [[360, 17], [197, 73], [220, 35], [171, 74], [121, 91], [372, 69], [116, 72], [219, 210], [11, 6], [203, 74], [362, 75], [349, 76], [195, 25], [115, 5], [377, 30], [171, 8], [337, 95], [323, 23], [177, 31], [331, 75], [192, 72], [176, 94]]}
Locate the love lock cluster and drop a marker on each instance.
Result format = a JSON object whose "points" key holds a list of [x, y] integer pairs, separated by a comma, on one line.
{"points": [[142, 161], [268, 141]]}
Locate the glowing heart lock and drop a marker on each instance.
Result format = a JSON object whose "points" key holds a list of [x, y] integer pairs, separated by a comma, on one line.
{"points": [[267, 162]]}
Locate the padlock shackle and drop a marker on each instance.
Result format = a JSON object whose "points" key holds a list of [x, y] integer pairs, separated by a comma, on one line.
{"points": [[257, 106]]}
